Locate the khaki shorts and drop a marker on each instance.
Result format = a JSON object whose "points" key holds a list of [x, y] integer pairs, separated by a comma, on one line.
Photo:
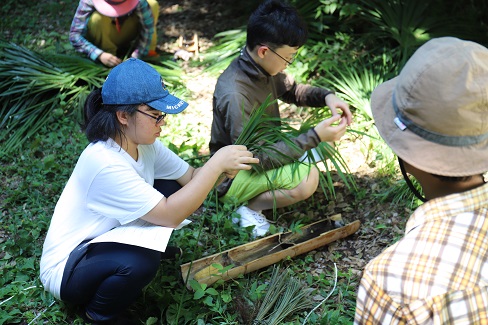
{"points": [[249, 184]]}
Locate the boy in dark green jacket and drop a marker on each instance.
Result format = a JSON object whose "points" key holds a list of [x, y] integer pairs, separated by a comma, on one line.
{"points": [[275, 32]]}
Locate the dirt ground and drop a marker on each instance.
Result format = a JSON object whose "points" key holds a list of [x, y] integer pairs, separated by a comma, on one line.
{"points": [[381, 222]]}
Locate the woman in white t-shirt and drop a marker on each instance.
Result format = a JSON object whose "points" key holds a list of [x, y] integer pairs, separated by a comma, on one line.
{"points": [[112, 185]]}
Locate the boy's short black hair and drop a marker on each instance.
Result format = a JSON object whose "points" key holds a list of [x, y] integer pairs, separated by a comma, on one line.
{"points": [[276, 23]]}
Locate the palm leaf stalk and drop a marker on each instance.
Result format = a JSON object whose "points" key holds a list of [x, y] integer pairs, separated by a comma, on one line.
{"points": [[37, 88], [285, 296]]}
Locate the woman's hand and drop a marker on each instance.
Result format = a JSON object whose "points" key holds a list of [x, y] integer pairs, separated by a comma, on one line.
{"points": [[233, 158], [171, 211]]}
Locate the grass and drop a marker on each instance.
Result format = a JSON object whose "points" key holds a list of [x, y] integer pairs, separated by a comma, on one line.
{"points": [[35, 171], [35, 175]]}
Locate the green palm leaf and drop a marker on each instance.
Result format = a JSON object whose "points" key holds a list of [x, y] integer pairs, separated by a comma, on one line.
{"points": [[260, 132], [35, 89], [355, 83], [228, 46], [409, 23]]}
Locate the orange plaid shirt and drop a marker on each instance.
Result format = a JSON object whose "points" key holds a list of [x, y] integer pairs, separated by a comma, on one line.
{"points": [[438, 272]]}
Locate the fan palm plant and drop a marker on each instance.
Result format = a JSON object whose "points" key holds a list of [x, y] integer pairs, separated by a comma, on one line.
{"points": [[355, 83], [406, 22], [35, 88], [228, 46], [410, 23]]}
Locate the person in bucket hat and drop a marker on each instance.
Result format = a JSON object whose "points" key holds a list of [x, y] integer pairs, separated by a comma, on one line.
{"points": [[108, 30], [434, 116], [111, 185]]}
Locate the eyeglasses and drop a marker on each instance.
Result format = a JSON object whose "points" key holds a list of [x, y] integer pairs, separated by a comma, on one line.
{"points": [[158, 119], [287, 62]]}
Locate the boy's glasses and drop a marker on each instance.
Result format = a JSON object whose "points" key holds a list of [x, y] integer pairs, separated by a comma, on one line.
{"points": [[158, 119], [289, 62]]}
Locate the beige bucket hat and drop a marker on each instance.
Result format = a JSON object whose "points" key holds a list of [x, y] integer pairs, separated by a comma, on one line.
{"points": [[434, 114]]}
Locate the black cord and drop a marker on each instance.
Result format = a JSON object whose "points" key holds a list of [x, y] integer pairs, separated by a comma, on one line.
{"points": [[409, 182]]}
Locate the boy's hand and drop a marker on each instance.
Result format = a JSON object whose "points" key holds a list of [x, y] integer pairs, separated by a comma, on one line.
{"points": [[334, 103], [329, 133], [233, 158]]}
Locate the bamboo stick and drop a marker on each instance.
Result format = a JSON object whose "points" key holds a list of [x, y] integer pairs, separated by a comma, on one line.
{"points": [[263, 252]]}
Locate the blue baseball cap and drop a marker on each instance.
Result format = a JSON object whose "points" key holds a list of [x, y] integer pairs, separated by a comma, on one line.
{"points": [[136, 82]]}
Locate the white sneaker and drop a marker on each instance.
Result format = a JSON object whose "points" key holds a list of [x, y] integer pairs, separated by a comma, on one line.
{"points": [[249, 218]]}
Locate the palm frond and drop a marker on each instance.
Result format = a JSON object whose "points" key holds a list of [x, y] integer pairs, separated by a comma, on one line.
{"points": [[327, 152], [227, 46], [35, 88], [260, 133], [410, 23], [33, 91], [355, 83]]}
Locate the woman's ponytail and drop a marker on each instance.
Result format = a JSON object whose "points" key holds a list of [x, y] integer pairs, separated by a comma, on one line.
{"points": [[101, 121], [93, 105], [100, 124]]}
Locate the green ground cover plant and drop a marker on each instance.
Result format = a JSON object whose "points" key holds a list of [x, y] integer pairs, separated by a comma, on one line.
{"points": [[354, 46]]}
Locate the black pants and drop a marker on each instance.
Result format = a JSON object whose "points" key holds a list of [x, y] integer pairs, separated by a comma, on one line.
{"points": [[106, 278]]}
